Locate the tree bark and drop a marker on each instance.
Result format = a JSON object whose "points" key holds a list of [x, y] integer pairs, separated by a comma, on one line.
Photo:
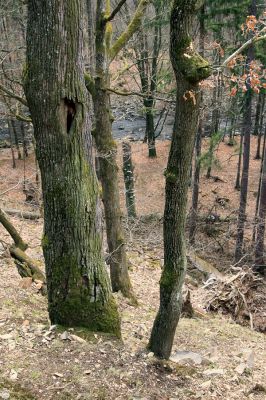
{"points": [[12, 231], [259, 247], [196, 178], [129, 180], [107, 151], [247, 123], [79, 292], [189, 68], [260, 125]]}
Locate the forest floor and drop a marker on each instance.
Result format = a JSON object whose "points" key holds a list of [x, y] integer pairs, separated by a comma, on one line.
{"points": [[38, 361]]}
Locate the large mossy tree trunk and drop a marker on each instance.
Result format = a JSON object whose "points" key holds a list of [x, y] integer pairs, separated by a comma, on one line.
{"points": [[79, 292], [189, 68], [107, 152]]}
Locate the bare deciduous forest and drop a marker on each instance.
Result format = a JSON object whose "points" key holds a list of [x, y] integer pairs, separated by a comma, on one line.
{"points": [[132, 199]]}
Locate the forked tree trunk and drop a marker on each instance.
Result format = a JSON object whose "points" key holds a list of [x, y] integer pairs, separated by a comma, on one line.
{"points": [[107, 152], [189, 69], [79, 292]]}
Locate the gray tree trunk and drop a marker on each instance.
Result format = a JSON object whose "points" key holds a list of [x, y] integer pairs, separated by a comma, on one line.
{"points": [[189, 68]]}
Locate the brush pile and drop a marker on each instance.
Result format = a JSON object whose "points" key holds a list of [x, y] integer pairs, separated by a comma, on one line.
{"points": [[242, 295]]}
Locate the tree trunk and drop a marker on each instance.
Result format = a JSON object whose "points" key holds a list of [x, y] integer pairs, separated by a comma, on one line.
{"points": [[189, 69], [247, 123], [129, 180], [260, 126], [150, 130], [16, 138], [196, 180], [259, 248], [24, 140], [238, 175], [79, 292], [11, 145], [107, 151], [196, 183], [259, 192], [258, 113]]}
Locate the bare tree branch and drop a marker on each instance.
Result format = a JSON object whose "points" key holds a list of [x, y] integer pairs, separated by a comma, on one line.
{"points": [[115, 11]]}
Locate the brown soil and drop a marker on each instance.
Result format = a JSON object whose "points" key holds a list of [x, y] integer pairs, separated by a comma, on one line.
{"points": [[42, 364]]}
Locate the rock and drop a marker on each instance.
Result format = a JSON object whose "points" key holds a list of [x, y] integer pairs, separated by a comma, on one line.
{"points": [[7, 336], [78, 339], [4, 394], [213, 372], [186, 357], [65, 336], [241, 368], [13, 376], [206, 385]]}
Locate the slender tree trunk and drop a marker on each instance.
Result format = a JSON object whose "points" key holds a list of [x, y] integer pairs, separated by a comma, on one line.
{"points": [[259, 192], [196, 181], [247, 123], [238, 175], [189, 69], [215, 123], [259, 248], [150, 130], [11, 144], [260, 125], [107, 151], [129, 180], [258, 113], [24, 140], [196, 185], [16, 138], [79, 292]]}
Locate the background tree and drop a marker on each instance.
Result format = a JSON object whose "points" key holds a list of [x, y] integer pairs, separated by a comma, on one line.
{"points": [[105, 52]]}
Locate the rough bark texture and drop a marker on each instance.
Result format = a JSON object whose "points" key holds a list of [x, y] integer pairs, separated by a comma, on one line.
{"points": [[259, 248], [238, 175], [107, 151], [128, 171], [247, 123], [198, 144], [79, 292], [259, 121], [189, 68]]}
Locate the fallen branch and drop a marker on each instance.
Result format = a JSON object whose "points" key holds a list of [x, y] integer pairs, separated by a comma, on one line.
{"points": [[19, 242], [23, 214], [27, 267]]}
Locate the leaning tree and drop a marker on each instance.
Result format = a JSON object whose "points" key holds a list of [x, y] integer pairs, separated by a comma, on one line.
{"points": [[189, 68], [79, 292]]}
